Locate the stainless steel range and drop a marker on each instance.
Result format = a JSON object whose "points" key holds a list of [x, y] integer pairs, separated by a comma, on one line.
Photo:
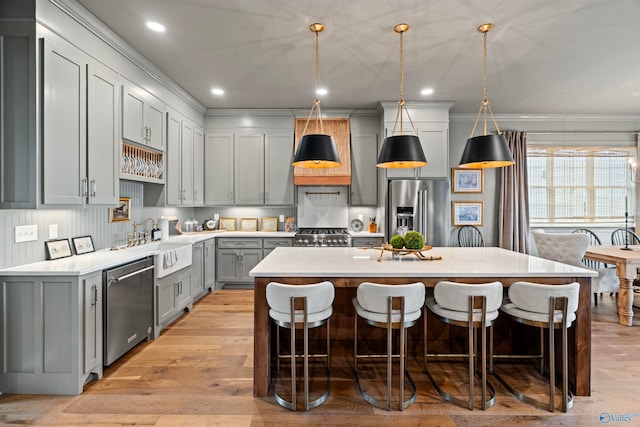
{"points": [[325, 237]]}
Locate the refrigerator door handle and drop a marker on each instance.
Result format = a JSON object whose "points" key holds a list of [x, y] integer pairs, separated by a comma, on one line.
{"points": [[421, 215]]}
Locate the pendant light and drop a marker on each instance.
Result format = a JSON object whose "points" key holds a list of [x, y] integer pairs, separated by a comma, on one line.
{"points": [[316, 150], [398, 150], [486, 151]]}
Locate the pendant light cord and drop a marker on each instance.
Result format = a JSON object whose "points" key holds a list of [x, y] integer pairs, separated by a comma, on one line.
{"points": [[316, 102], [484, 106], [401, 102]]}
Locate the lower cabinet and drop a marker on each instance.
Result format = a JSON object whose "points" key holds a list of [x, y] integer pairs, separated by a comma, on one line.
{"points": [[210, 264], [366, 242], [236, 257], [50, 333], [270, 243], [203, 266], [173, 298]]}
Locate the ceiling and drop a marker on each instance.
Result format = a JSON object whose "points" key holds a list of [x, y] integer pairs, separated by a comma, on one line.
{"points": [[544, 57]]}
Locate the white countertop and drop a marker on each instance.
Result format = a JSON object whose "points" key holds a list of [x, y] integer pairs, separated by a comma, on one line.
{"points": [[103, 259], [456, 262]]}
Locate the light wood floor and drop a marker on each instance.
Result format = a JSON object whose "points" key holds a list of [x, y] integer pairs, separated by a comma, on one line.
{"points": [[199, 373]]}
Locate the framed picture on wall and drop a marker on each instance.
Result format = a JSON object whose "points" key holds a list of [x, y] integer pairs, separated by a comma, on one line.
{"points": [[467, 180], [269, 224], [58, 248], [122, 212], [228, 224], [249, 224], [467, 213]]}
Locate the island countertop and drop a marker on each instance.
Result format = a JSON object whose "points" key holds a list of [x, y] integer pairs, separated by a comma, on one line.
{"points": [[460, 262]]}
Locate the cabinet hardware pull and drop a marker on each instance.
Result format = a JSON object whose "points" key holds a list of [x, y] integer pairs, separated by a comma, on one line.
{"points": [[93, 188], [85, 187], [94, 288]]}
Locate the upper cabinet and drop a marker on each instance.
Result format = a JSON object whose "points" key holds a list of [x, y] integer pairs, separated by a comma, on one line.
{"points": [[184, 181], [142, 117], [245, 169], [364, 173], [79, 121], [431, 123]]}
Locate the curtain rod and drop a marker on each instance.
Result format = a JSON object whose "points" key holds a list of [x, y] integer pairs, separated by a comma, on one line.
{"points": [[586, 132]]}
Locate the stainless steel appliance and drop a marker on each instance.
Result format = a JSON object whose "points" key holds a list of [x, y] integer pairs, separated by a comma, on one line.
{"points": [[128, 310], [421, 205], [322, 237]]}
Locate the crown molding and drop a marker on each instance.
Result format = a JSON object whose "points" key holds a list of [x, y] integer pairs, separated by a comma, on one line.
{"points": [[87, 20], [549, 118], [248, 111]]}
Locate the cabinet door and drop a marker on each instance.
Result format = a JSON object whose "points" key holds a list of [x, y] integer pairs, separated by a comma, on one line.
{"points": [[167, 294], [249, 258], [184, 290], [153, 122], [434, 138], [133, 115], [173, 175], [218, 169], [92, 287], [198, 167], [187, 163], [227, 265], [102, 135], [249, 167], [278, 172], [399, 172], [209, 264], [64, 124], [197, 269], [364, 173]]}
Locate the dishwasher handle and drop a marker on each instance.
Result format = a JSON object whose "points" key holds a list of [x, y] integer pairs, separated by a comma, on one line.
{"points": [[135, 273]]}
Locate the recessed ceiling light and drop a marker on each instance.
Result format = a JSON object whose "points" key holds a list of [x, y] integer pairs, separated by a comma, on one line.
{"points": [[321, 91], [156, 26], [217, 91], [427, 91]]}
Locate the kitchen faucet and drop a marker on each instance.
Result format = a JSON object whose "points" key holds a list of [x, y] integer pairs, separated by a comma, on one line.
{"points": [[138, 238]]}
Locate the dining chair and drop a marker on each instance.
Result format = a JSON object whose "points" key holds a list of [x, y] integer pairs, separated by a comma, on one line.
{"points": [[618, 237], [300, 307], [470, 236], [607, 280]]}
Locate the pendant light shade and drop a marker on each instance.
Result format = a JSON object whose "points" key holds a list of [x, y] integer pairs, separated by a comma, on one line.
{"points": [[486, 151], [401, 151], [316, 150]]}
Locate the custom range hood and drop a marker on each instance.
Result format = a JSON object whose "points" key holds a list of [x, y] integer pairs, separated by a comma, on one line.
{"points": [[338, 128]]}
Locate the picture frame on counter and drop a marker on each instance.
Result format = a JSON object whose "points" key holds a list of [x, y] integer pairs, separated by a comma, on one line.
{"points": [[467, 213], [249, 224], [57, 249], [269, 224], [467, 180], [122, 212], [83, 245], [228, 224]]}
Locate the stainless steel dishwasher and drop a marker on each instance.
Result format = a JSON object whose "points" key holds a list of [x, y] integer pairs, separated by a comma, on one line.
{"points": [[128, 309]]}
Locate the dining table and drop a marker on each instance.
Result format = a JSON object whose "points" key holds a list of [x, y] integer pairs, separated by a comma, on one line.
{"points": [[627, 261]]}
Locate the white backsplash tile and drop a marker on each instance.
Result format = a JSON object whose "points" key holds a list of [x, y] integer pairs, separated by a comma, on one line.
{"points": [[322, 207]]}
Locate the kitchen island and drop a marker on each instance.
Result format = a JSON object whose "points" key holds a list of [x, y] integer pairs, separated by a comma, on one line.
{"points": [[348, 267]]}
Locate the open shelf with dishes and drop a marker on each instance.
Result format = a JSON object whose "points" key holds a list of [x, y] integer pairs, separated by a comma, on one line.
{"points": [[141, 164]]}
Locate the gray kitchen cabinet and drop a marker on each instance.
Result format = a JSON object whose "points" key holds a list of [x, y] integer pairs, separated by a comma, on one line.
{"points": [[79, 128], [366, 242], [249, 169], [173, 298], [270, 243], [278, 172], [235, 257], [209, 264], [142, 117], [202, 264], [218, 172], [184, 163], [364, 173], [51, 333], [434, 139]]}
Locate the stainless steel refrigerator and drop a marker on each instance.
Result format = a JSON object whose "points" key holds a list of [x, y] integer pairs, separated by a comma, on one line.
{"points": [[421, 205]]}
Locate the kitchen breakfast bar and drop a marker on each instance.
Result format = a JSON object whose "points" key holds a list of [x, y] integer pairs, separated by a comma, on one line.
{"points": [[346, 268]]}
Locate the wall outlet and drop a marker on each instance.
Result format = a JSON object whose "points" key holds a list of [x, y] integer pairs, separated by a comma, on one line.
{"points": [[216, 217], [26, 233], [281, 218], [53, 231]]}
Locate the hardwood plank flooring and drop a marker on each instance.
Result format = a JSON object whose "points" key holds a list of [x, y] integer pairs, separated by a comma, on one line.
{"points": [[199, 373]]}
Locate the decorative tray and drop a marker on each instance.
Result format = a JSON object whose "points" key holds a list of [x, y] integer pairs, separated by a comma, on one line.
{"points": [[402, 252]]}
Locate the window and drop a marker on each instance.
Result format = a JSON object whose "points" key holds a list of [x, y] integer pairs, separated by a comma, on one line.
{"points": [[580, 184]]}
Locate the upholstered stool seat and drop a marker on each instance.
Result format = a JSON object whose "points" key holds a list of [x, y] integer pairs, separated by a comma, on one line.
{"points": [[547, 307], [389, 307], [301, 307], [473, 306]]}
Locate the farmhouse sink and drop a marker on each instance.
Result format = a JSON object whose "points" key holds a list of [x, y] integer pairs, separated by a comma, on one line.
{"points": [[170, 257]]}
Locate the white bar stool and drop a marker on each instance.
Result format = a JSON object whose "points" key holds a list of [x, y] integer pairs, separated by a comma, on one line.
{"points": [[389, 307], [547, 307], [300, 307], [473, 306]]}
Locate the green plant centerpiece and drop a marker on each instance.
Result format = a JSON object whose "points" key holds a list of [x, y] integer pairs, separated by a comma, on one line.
{"points": [[397, 242], [413, 240]]}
